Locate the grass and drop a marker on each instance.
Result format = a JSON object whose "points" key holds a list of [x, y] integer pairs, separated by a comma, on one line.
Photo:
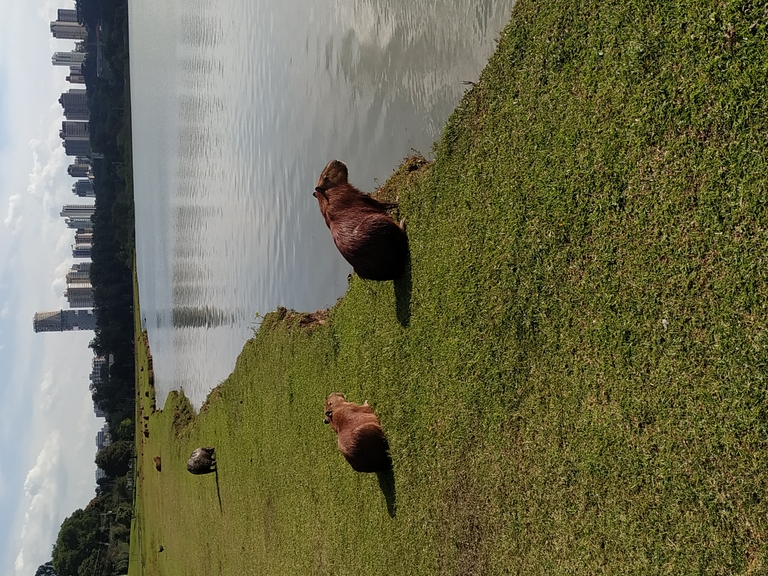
{"points": [[572, 375]]}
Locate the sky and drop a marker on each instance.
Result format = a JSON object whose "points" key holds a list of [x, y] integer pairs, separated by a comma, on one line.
{"points": [[47, 423]]}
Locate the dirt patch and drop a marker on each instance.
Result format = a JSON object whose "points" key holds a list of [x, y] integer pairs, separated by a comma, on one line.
{"points": [[183, 413], [463, 527], [410, 166], [293, 319]]}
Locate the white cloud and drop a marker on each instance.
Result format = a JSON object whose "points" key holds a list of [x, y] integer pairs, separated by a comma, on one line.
{"points": [[13, 219], [42, 489]]}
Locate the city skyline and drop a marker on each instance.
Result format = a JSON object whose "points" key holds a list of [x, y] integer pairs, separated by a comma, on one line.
{"points": [[46, 407]]}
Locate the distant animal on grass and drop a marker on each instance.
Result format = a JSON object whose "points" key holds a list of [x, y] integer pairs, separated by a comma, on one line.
{"points": [[360, 437], [202, 461], [146, 433], [158, 464], [369, 239]]}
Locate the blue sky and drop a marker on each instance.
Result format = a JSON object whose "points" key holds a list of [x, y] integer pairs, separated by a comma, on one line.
{"points": [[47, 424]]}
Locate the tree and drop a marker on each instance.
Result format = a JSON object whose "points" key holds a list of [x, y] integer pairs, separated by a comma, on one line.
{"points": [[115, 459], [46, 569], [78, 536]]}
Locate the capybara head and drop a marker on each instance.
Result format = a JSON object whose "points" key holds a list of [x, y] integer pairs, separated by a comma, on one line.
{"points": [[334, 174], [334, 399], [157, 463]]}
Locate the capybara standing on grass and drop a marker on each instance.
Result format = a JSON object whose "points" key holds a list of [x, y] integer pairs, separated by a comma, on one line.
{"points": [[361, 439], [201, 461], [364, 233], [158, 463]]}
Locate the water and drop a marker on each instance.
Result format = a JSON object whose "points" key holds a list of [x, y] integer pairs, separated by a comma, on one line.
{"points": [[237, 106]]}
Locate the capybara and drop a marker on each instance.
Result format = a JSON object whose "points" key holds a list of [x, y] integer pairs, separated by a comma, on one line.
{"points": [[158, 465], [364, 233], [201, 461], [361, 439]]}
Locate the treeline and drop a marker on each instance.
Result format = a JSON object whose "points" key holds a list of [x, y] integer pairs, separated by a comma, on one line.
{"points": [[95, 540], [113, 223]]}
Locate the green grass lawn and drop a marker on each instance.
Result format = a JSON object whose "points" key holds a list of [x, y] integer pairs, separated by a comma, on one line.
{"points": [[572, 375]]}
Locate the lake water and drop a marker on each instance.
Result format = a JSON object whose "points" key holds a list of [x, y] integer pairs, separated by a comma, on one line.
{"points": [[237, 106]]}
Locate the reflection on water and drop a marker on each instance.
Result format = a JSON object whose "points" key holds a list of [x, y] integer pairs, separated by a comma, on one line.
{"points": [[237, 106]]}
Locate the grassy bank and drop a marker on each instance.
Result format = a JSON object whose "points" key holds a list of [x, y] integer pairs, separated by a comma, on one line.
{"points": [[571, 375]]}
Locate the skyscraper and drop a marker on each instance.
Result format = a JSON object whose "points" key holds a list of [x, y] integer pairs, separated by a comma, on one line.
{"points": [[77, 210], [67, 15], [64, 320], [84, 189], [75, 104], [82, 250], [78, 170], [79, 290], [67, 58], [79, 294], [71, 129], [68, 30], [76, 146], [79, 223], [83, 237]]}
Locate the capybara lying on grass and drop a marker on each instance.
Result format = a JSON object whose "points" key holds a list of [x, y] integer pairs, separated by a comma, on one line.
{"points": [[364, 233], [361, 439], [201, 461]]}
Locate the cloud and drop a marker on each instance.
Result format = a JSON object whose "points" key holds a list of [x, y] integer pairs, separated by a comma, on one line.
{"points": [[42, 489], [13, 219]]}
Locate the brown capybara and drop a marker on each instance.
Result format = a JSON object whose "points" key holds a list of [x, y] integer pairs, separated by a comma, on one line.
{"points": [[201, 461], [361, 439], [364, 233], [158, 465]]}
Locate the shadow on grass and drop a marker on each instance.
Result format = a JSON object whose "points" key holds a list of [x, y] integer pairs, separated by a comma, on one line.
{"points": [[218, 490], [403, 289], [387, 486]]}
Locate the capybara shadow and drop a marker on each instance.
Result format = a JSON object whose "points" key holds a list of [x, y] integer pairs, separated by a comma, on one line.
{"points": [[360, 437], [202, 461], [387, 486], [366, 235], [403, 291]]}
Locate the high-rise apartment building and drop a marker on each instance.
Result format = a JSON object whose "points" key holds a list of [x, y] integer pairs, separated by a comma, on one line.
{"points": [[76, 137], [77, 210], [82, 237], [81, 271], [67, 58], [75, 104], [82, 250], [72, 129], [84, 189], [79, 290], [79, 294], [64, 320], [76, 146], [68, 30], [67, 15], [79, 223], [97, 366], [79, 170]]}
